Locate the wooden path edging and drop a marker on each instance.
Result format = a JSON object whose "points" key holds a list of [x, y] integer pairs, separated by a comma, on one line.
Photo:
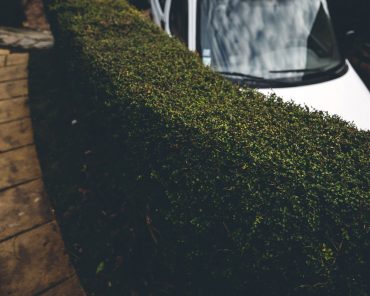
{"points": [[33, 259]]}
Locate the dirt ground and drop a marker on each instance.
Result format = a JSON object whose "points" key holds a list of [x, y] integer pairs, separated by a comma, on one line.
{"points": [[34, 15]]}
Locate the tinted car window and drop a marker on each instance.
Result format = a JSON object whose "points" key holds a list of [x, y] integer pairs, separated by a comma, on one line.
{"points": [[272, 39], [179, 19]]}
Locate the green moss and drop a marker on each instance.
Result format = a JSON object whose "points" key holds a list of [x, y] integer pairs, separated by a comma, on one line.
{"points": [[230, 191]]}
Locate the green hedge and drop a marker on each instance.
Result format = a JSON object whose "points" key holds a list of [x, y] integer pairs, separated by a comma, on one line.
{"points": [[239, 194]]}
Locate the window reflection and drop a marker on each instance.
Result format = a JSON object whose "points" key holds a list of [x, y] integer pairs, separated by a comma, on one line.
{"points": [[272, 39]]}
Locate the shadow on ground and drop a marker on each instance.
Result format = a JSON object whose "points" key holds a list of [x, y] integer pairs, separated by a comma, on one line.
{"points": [[103, 246]]}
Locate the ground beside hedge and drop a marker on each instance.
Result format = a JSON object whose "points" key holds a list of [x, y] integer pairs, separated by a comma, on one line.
{"points": [[173, 181]]}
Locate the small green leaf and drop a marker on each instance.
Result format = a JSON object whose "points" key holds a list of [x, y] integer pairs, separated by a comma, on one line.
{"points": [[100, 267]]}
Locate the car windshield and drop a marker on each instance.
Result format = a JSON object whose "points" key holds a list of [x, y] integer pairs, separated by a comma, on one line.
{"points": [[270, 39]]}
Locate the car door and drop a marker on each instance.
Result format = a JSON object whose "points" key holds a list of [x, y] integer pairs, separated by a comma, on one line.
{"points": [[181, 16], [177, 23], [177, 18]]}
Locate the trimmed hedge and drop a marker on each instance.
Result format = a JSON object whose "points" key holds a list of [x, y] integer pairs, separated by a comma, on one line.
{"points": [[234, 193]]}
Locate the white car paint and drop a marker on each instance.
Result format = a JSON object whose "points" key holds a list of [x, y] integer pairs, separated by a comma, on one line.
{"points": [[162, 16], [346, 96], [157, 12]]}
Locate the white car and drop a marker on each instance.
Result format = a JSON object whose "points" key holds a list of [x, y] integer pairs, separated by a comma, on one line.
{"points": [[287, 47]]}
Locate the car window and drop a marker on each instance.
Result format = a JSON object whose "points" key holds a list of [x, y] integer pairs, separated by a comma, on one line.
{"points": [[178, 20], [281, 39]]}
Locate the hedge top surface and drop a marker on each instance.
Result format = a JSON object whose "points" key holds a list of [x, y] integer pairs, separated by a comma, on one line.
{"points": [[279, 193]]}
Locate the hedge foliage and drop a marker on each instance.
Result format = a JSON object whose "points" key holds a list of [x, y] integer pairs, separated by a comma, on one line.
{"points": [[241, 194]]}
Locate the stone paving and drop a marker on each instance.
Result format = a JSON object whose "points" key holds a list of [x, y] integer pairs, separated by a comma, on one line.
{"points": [[33, 260], [25, 38]]}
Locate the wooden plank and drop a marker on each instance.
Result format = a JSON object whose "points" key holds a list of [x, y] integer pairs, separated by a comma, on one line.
{"points": [[15, 88], [19, 166], [68, 288], [33, 261], [15, 134], [17, 59], [4, 52], [2, 60], [13, 72], [22, 208], [13, 109]]}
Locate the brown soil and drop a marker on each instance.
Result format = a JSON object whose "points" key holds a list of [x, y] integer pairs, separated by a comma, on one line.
{"points": [[35, 15]]}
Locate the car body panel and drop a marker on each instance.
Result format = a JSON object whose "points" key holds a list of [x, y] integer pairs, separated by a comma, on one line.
{"points": [[345, 96], [161, 16]]}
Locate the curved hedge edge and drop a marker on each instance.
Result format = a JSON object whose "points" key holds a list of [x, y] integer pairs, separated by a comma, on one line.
{"points": [[250, 193]]}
